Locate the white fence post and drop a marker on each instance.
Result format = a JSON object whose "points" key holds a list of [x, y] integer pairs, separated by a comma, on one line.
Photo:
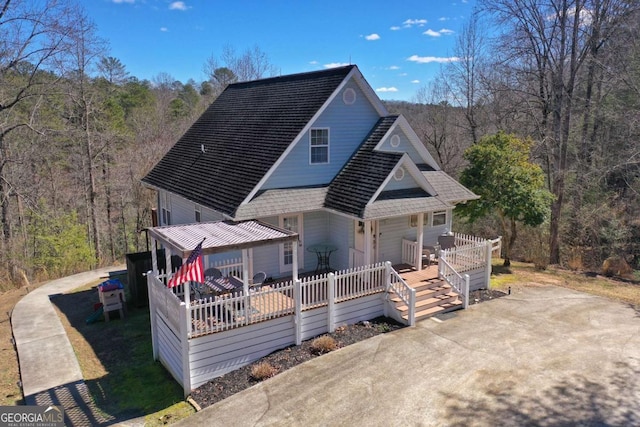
{"points": [[185, 321], [331, 296], [412, 307], [297, 299], [153, 319], [466, 291], [387, 287], [489, 248]]}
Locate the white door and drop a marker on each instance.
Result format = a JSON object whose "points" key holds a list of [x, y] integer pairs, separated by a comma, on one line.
{"points": [[291, 223], [359, 243]]}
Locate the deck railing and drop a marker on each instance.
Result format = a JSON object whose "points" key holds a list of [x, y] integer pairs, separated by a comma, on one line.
{"points": [[220, 313], [410, 252], [406, 293], [229, 267], [466, 258], [459, 282]]}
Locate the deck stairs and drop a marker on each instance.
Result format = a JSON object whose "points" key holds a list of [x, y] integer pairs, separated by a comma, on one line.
{"points": [[433, 296]]}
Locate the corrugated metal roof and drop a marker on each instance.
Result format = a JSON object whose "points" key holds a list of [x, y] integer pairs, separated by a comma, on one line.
{"points": [[219, 236]]}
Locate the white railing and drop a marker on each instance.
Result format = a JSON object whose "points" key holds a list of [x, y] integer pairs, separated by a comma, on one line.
{"points": [[229, 267], [236, 309], [406, 293], [358, 282], [313, 291], [409, 252], [215, 314], [466, 239], [466, 258], [496, 247], [457, 281], [165, 300], [356, 258]]}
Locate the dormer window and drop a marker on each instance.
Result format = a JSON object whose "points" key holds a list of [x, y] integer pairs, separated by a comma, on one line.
{"points": [[319, 146]]}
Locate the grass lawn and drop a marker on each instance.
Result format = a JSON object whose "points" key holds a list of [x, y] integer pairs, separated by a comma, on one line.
{"points": [[117, 363], [522, 274]]}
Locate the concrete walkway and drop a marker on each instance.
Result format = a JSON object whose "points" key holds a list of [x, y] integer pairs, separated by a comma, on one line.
{"points": [[542, 356], [49, 370]]}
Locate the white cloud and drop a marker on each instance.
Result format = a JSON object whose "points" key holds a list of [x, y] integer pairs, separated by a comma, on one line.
{"points": [[394, 67], [178, 5], [430, 59], [372, 37], [124, 1], [403, 74], [433, 33], [415, 81], [335, 64], [313, 62], [394, 28], [164, 29], [387, 89], [410, 22], [443, 18]]}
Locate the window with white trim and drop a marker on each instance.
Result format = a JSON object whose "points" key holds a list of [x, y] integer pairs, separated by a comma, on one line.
{"points": [[319, 146], [439, 218], [166, 209]]}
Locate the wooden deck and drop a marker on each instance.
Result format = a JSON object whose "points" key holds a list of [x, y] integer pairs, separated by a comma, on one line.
{"points": [[415, 278]]}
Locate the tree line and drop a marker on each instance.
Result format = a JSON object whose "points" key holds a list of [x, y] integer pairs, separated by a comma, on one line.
{"points": [[565, 74], [77, 132]]}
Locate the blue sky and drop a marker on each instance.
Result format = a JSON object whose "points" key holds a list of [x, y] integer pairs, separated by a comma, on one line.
{"points": [[398, 46]]}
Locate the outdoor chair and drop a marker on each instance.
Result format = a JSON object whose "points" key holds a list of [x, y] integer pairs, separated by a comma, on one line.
{"points": [[212, 273], [258, 279]]}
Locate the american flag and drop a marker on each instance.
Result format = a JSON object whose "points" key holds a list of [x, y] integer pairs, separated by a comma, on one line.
{"points": [[191, 270]]}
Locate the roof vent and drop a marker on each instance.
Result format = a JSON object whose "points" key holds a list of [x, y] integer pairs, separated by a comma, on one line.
{"points": [[349, 96]]}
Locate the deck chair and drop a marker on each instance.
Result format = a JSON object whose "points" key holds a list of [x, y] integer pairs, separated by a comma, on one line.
{"points": [[258, 279], [212, 273]]}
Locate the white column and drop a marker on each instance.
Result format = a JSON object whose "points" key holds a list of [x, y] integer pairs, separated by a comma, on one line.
{"points": [[245, 271], [294, 265], [419, 240], [368, 243], [154, 257]]}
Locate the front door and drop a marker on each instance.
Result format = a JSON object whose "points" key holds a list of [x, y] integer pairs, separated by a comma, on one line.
{"points": [[359, 243], [291, 223]]}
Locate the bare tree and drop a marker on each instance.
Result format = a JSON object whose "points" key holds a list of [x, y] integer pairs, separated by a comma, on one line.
{"points": [[544, 44], [33, 36]]}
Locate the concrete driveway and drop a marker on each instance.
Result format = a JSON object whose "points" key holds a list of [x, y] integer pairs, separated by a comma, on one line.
{"points": [[542, 356]]}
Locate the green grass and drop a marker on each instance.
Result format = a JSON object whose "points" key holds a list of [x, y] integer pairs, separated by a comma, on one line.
{"points": [[117, 362]]}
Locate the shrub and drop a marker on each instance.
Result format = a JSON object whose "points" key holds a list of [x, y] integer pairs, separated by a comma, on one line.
{"points": [[262, 371], [323, 344]]}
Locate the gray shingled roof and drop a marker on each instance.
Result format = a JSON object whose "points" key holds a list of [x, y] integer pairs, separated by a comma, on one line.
{"points": [[447, 188], [392, 207], [282, 201], [244, 132], [362, 176]]}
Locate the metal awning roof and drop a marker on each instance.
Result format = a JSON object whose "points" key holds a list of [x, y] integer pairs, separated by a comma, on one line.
{"points": [[220, 236]]}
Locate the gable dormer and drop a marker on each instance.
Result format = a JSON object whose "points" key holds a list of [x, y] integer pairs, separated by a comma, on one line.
{"points": [[329, 139], [401, 138]]}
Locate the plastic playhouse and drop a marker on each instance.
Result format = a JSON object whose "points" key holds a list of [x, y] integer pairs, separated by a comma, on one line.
{"points": [[111, 294]]}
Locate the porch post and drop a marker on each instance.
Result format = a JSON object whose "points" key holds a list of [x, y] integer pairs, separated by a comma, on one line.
{"points": [[488, 267], [245, 271], [167, 265], [294, 264], [154, 257], [368, 243], [419, 241]]}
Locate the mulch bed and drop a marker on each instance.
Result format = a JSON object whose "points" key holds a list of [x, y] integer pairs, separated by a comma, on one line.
{"points": [[229, 384]]}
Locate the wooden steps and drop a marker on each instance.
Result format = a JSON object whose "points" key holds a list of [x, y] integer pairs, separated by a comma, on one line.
{"points": [[433, 296]]}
